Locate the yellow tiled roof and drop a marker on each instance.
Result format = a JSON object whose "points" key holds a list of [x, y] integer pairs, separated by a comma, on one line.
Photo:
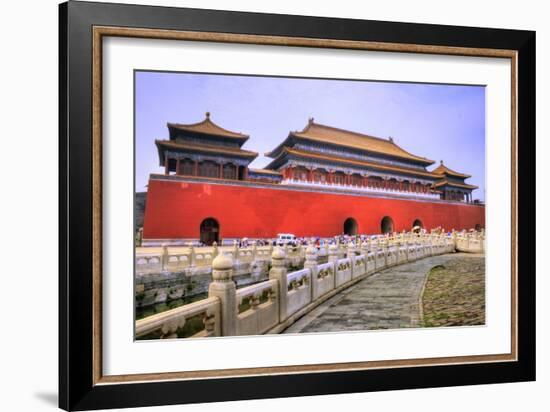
{"points": [[207, 126], [328, 134], [444, 170]]}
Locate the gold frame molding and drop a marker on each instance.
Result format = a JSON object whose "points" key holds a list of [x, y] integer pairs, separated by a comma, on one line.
{"points": [[99, 32]]}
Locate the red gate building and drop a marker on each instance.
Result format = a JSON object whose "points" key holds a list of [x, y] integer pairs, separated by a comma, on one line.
{"points": [[322, 181]]}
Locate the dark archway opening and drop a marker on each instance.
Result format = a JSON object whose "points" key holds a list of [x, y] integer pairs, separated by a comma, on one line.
{"points": [[418, 223], [387, 225], [210, 231], [478, 227], [350, 227]]}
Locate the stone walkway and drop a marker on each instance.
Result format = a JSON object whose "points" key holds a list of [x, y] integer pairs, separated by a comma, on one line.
{"points": [[386, 300]]}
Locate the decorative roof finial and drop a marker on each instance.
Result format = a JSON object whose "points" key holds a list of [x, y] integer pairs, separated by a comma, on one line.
{"points": [[390, 139], [441, 162], [208, 115], [310, 120]]}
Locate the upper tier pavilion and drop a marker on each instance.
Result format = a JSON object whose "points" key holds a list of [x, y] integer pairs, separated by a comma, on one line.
{"points": [[328, 156]]}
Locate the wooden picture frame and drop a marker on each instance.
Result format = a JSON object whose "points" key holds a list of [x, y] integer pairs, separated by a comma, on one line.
{"points": [[82, 384]]}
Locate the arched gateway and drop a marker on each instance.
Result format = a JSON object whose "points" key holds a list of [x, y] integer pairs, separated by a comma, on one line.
{"points": [[418, 223], [386, 225], [210, 231], [350, 227]]}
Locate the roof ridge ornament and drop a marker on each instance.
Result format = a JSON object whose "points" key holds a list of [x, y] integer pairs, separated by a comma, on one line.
{"points": [[390, 139], [207, 115]]}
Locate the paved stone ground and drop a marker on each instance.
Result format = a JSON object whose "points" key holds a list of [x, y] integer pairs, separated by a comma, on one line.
{"points": [[454, 295], [386, 300]]}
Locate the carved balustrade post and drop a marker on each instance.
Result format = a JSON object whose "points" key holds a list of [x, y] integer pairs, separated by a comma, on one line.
{"points": [[235, 251], [333, 256], [192, 257], [333, 253], [365, 248], [453, 237], [385, 250], [278, 271], [215, 250], [223, 287], [254, 251], [164, 258], [311, 263], [350, 254]]}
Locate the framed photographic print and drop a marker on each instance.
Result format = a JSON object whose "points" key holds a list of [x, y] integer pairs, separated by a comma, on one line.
{"points": [[259, 205]]}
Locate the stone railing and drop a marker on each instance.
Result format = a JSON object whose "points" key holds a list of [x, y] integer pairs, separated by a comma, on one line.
{"points": [[470, 242], [177, 258], [273, 305], [198, 319], [257, 308]]}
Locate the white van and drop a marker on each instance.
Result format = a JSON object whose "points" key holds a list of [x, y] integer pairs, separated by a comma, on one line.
{"points": [[284, 238]]}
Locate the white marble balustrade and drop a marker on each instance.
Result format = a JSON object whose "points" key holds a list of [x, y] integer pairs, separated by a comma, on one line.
{"points": [[272, 305]]}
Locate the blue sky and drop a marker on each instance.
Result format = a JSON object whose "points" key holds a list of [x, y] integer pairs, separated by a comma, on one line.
{"points": [[435, 121]]}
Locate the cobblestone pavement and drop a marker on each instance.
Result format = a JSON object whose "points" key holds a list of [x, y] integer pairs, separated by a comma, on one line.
{"points": [[386, 300]]}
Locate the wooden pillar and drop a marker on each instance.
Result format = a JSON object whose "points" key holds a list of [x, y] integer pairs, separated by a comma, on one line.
{"points": [[166, 165], [310, 175], [196, 168], [365, 181], [221, 171], [177, 166], [330, 176], [245, 173]]}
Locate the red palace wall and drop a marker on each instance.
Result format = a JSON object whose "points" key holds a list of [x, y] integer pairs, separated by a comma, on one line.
{"points": [[175, 210]]}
